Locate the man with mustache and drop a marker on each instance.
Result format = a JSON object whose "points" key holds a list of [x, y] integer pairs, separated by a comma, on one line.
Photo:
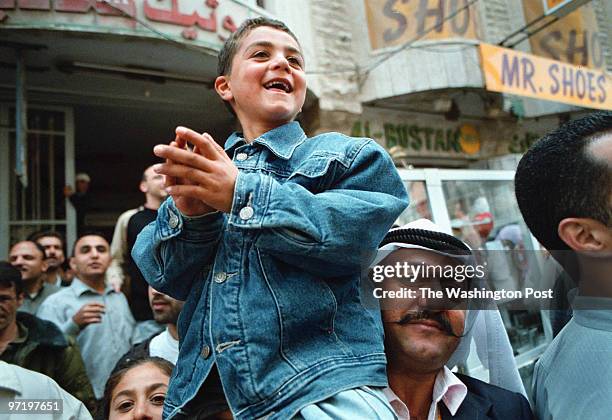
{"points": [[97, 315], [426, 338], [30, 259], [54, 246]]}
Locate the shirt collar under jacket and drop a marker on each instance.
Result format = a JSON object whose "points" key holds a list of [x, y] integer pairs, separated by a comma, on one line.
{"points": [[281, 141], [447, 388]]}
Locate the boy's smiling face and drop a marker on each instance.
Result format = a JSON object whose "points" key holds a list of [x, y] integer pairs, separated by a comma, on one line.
{"points": [[266, 85]]}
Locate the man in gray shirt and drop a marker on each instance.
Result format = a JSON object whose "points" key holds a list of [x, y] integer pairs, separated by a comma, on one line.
{"points": [[563, 186], [30, 259], [97, 315]]}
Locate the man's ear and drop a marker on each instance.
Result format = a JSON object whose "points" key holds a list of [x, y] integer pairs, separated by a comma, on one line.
{"points": [[72, 264], [223, 88], [45, 266], [583, 234], [143, 187]]}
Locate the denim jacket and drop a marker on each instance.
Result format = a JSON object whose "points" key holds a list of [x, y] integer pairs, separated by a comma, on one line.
{"points": [[272, 288]]}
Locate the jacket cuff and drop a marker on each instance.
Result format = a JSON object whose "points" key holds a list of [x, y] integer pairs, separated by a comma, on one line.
{"points": [[171, 222], [251, 197]]}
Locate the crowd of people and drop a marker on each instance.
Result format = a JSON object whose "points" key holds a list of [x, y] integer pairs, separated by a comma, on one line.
{"points": [[233, 291]]}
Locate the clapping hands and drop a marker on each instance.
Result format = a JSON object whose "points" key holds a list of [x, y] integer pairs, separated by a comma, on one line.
{"points": [[200, 180]]}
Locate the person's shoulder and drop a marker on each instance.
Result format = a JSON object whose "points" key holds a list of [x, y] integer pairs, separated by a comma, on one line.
{"points": [[42, 331]]}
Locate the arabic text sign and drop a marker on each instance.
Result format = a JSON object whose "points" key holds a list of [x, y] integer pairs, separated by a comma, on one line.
{"points": [[518, 73], [202, 20]]}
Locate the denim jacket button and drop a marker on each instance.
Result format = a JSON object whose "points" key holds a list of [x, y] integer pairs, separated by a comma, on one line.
{"points": [[246, 213], [242, 157], [220, 277], [173, 220], [205, 352]]}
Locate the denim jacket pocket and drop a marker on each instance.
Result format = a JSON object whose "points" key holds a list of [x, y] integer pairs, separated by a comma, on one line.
{"points": [[311, 172], [307, 309]]}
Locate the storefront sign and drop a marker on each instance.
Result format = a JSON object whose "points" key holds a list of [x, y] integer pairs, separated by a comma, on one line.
{"points": [[518, 73], [420, 138], [210, 21], [394, 22]]}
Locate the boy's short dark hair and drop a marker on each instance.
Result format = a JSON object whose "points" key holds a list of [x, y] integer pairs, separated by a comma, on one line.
{"points": [[232, 44], [10, 277], [559, 178]]}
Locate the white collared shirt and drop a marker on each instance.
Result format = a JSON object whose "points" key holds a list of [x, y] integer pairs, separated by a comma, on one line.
{"points": [[447, 388]]}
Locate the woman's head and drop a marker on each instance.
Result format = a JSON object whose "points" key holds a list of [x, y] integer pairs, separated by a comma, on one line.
{"points": [[136, 390]]}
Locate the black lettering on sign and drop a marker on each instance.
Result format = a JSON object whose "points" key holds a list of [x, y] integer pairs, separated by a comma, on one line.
{"points": [[568, 81], [546, 44], [601, 82], [553, 72], [528, 72], [425, 12], [580, 84], [591, 86], [510, 72], [389, 11], [465, 14], [573, 48]]}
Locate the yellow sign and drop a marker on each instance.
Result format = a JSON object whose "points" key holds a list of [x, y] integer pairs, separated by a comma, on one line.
{"points": [[518, 73], [395, 22]]}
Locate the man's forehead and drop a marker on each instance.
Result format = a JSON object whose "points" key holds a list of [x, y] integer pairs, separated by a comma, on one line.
{"points": [[49, 240], [24, 247], [90, 240]]}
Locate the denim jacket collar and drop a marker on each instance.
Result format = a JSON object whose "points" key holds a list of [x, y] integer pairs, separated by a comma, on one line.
{"points": [[281, 141]]}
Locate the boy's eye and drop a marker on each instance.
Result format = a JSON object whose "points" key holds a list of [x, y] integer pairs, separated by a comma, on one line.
{"points": [[295, 60], [260, 54]]}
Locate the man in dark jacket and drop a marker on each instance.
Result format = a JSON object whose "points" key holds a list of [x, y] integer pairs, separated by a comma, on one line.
{"points": [[425, 337], [38, 345]]}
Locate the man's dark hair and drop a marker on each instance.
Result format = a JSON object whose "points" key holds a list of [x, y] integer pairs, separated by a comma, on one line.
{"points": [[558, 178], [10, 277], [232, 44], [87, 233]]}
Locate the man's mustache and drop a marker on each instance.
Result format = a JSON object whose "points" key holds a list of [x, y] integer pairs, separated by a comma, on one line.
{"points": [[423, 314]]}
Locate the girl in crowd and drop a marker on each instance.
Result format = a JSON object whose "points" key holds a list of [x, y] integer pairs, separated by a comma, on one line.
{"points": [[136, 390]]}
